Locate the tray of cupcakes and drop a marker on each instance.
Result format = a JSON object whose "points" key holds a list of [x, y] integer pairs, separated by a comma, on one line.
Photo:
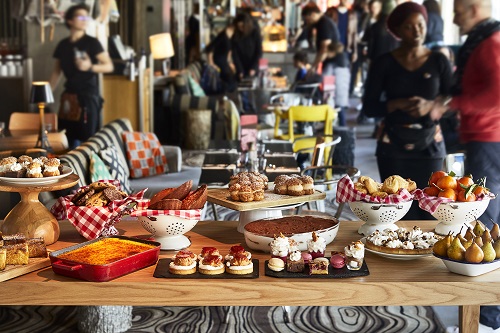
{"points": [[287, 261], [209, 264]]}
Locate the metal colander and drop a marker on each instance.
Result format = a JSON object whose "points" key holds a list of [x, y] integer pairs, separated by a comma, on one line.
{"points": [[379, 216], [460, 212]]}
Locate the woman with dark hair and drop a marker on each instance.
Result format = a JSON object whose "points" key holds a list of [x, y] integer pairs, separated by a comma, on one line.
{"points": [[435, 25], [219, 55], [406, 87], [81, 58]]}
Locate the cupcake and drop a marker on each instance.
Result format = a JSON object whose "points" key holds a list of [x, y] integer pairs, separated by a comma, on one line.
{"points": [[5, 165], [307, 184], [237, 249], [34, 170], [316, 246], [239, 265], [294, 187], [280, 247], [211, 265], [183, 263], [51, 168], [295, 263]]}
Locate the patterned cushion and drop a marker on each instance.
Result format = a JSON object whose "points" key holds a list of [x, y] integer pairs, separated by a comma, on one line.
{"points": [[98, 170], [196, 89], [116, 169], [145, 154]]}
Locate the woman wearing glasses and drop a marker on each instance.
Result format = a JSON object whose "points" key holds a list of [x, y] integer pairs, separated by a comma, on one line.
{"points": [[80, 58]]}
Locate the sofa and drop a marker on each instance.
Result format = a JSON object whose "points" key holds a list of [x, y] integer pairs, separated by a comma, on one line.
{"points": [[111, 134]]}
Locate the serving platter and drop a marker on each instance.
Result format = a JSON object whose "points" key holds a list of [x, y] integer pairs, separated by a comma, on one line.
{"points": [[34, 264], [37, 181], [396, 256], [333, 273]]}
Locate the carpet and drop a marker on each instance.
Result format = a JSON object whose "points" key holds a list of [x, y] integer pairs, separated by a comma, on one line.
{"points": [[381, 319]]}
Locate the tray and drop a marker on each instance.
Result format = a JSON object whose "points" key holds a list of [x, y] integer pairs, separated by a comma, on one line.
{"points": [[101, 273], [221, 197], [12, 271], [333, 273], [161, 271]]}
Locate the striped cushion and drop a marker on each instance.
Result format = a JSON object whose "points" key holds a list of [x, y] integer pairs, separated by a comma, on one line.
{"points": [[110, 135], [116, 169]]}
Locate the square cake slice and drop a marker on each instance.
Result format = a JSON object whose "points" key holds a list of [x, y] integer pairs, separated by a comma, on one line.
{"points": [[318, 266]]}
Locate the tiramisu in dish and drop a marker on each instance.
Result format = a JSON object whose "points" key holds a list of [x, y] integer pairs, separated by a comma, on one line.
{"points": [[289, 225], [402, 241]]}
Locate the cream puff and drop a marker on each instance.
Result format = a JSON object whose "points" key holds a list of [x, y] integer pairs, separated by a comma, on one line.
{"points": [[183, 263], [307, 184], [258, 191], [211, 265], [246, 193], [24, 160], [234, 191], [34, 170], [280, 184], [5, 164], [239, 265], [51, 168], [294, 187]]}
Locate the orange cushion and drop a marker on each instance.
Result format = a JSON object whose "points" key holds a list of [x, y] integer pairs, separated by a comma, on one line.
{"points": [[145, 154]]}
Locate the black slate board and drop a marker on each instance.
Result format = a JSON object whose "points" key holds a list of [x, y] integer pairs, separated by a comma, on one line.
{"points": [[333, 273], [161, 271]]}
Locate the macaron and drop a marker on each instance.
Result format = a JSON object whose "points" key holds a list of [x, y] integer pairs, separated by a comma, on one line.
{"points": [[307, 257], [337, 261], [276, 264]]}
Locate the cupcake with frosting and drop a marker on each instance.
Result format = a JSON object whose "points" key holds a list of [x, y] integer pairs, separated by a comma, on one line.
{"points": [[316, 246], [280, 247]]}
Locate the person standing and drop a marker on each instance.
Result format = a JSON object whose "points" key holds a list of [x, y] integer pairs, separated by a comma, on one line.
{"points": [[80, 58], [326, 32], [435, 24], [407, 87], [219, 55]]}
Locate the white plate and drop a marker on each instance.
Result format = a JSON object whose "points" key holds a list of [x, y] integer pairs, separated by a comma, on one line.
{"points": [[37, 181], [396, 256]]}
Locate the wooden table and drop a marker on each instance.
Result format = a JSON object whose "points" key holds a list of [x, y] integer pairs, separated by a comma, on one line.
{"points": [[421, 282]]}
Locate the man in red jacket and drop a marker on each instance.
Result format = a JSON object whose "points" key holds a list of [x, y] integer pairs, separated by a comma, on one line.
{"points": [[477, 97]]}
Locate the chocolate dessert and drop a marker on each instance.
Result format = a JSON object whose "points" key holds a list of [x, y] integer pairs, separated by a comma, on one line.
{"points": [[289, 225]]}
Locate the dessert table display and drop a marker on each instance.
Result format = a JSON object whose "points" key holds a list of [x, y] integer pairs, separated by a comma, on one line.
{"points": [[30, 216], [425, 281]]}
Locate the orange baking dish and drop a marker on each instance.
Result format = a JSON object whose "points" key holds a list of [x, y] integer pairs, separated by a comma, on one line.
{"points": [[105, 258]]}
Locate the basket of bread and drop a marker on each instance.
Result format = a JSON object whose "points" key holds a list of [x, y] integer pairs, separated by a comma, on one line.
{"points": [[95, 209], [379, 205], [171, 213]]}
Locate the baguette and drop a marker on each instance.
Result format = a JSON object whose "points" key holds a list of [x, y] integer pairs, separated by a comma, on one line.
{"points": [[160, 195], [196, 199], [180, 192], [167, 204]]}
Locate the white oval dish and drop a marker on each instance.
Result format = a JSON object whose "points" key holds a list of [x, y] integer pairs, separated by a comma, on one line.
{"points": [[469, 269]]}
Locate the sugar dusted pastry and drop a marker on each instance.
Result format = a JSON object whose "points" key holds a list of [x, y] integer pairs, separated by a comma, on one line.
{"points": [[34, 170], [246, 193], [402, 241], [183, 263], [307, 184], [247, 186], [280, 186], [240, 264], [211, 265], [51, 168], [3, 258], [294, 187]]}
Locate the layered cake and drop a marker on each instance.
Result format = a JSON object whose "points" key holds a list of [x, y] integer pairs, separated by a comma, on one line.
{"points": [[319, 266], [402, 241], [289, 225]]}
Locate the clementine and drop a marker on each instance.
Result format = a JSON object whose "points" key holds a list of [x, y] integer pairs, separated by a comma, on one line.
{"points": [[448, 193], [431, 191], [447, 182], [466, 181], [436, 176], [480, 190], [469, 198]]}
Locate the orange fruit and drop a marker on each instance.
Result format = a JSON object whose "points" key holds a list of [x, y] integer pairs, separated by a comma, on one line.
{"points": [[465, 181], [431, 191], [447, 182], [436, 176], [448, 193], [461, 196], [480, 190]]}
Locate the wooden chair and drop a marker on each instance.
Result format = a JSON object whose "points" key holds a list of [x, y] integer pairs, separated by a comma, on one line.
{"points": [[31, 121]]}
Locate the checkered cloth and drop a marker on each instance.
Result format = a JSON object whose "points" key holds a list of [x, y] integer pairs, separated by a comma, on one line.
{"points": [[431, 203], [347, 193], [94, 222], [189, 214]]}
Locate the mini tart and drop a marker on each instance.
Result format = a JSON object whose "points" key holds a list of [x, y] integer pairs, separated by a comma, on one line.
{"points": [[207, 251], [182, 264], [239, 265], [237, 249], [390, 250], [211, 265]]}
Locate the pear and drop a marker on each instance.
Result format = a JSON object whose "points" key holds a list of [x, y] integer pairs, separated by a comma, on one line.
{"points": [[486, 236], [441, 246], [496, 246], [468, 243], [495, 231], [469, 234], [478, 228], [479, 241], [489, 252], [456, 251], [474, 254], [462, 239]]}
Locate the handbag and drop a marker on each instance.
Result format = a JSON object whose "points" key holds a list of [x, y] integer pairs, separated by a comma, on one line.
{"points": [[70, 109], [411, 137]]}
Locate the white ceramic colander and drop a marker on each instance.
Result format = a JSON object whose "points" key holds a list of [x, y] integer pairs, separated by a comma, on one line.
{"points": [[168, 230], [379, 216], [453, 215]]}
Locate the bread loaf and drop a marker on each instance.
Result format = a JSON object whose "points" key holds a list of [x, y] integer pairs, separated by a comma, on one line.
{"points": [[196, 199]]}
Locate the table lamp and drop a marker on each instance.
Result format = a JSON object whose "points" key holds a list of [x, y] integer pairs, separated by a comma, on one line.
{"points": [[41, 94], [162, 48]]}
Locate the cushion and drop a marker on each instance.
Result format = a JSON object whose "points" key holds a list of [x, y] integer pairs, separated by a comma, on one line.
{"points": [[196, 89], [145, 154], [110, 157], [98, 170]]}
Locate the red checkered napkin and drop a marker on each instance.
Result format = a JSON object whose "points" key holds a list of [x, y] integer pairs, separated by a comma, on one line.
{"points": [[431, 204], [347, 193], [189, 214], [94, 222]]}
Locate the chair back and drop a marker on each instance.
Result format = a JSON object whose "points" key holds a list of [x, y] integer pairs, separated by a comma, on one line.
{"points": [[313, 113], [31, 121], [287, 99]]}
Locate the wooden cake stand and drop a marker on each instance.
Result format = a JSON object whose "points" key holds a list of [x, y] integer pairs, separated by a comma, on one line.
{"points": [[30, 216], [271, 206]]}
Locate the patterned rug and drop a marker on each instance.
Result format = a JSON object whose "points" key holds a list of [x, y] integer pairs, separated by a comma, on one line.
{"points": [[382, 319]]}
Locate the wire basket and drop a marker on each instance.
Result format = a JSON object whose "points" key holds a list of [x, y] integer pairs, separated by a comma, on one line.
{"points": [[453, 215], [379, 216]]}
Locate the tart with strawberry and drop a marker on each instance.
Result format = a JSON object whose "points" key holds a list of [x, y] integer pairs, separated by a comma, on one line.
{"points": [[183, 263], [237, 249], [208, 250], [239, 264], [211, 265]]}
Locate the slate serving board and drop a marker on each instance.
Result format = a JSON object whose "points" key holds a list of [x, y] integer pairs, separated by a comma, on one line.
{"points": [[161, 271], [333, 273]]}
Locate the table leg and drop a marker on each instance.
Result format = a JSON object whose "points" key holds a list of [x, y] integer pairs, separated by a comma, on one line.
{"points": [[468, 318], [31, 218]]}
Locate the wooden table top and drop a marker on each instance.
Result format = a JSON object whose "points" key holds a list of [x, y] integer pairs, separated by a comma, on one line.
{"points": [[391, 282]]}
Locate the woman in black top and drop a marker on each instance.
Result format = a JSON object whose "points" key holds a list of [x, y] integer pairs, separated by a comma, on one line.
{"points": [[80, 57], [219, 55], [406, 87]]}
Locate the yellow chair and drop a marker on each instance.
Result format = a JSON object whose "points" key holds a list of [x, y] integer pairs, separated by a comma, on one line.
{"points": [[296, 114]]}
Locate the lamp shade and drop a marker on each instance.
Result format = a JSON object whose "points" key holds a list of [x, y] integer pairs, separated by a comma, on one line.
{"points": [[41, 93], [161, 46]]}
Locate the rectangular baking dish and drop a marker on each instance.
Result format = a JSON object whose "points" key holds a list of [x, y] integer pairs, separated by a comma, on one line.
{"points": [[101, 273]]}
